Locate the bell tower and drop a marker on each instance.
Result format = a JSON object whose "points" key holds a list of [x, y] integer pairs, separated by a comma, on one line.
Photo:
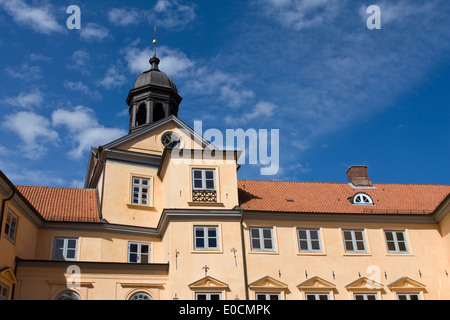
{"points": [[153, 97]]}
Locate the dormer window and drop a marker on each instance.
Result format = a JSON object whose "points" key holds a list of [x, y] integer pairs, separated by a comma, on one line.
{"points": [[362, 199]]}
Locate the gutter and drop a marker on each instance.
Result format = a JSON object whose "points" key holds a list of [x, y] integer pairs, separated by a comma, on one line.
{"points": [[244, 255]]}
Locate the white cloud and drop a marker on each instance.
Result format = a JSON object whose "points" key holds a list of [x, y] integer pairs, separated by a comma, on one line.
{"points": [[25, 72], [34, 130], [84, 129], [79, 86], [173, 62], [262, 110], [93, 32], [26, 100], [113, 78], [301, 14], [78, 61], [124, 16], [171, 14], [38, 18]]}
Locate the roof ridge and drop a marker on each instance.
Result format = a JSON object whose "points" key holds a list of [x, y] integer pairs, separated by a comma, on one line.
{"points": [[51, 187], [373, 183]]}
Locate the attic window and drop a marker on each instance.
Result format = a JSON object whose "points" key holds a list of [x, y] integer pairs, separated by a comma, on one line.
{"points": [[362, 199]]}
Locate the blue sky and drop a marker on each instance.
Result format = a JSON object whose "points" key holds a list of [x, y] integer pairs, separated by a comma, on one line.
{"points": [[339, 93]]}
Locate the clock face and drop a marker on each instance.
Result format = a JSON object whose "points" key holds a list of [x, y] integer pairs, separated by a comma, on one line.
{"points": [[171, 140]]}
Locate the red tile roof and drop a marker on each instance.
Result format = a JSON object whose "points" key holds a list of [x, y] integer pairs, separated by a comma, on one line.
{"points": [[63, 204], [318, 197]]}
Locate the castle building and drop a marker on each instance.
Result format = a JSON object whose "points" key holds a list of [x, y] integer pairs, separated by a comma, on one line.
{"points": [[163, 216]]}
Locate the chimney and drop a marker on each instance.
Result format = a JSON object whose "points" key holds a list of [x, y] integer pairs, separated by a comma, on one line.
{"points": [[358, 176]]}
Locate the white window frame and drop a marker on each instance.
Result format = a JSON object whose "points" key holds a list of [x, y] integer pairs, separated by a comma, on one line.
{"points": [[261, 239], [208, 295], [309, 240], [365, 295], [354, 241], [65, 248], [395, 241], [203, 178], [267, 295], [136, 195], [4, 291], [11, 224], [206, 237], [317, 295], [362, 199], [408, 295], [139, 253]]}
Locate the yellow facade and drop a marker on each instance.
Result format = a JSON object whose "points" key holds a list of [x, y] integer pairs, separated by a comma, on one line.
{"points": [[158, 234]]}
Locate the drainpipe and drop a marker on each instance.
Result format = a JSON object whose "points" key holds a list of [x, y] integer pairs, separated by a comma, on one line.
{"points": [[244, 257]]}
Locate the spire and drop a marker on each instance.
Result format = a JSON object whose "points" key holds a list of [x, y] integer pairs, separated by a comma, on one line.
{"points": [[154, 61]]}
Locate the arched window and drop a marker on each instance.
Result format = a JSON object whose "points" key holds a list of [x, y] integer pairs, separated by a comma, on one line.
{"points": [[362, 198], [141, 115], [68, 295], [141, 296], [158, 112]]}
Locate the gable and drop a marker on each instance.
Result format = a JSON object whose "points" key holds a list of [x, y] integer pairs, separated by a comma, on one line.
{"points": [[148, 139], [364, 283], [406, 283], [7, 276], [208, 283], [316, 283], [267, 283]]}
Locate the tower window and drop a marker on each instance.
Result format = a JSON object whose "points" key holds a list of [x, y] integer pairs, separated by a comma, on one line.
{"points": [[362, 198], [158, 112], [141, 115]]}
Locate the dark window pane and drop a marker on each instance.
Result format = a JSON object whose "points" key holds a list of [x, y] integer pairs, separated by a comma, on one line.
{"points": [[197, 174], [261, 297], [310, 297], [347, 235], [371, 297], [268, 244], [274, 297], [267, 234], [144, 258], [402, 246], [402, 297], [314, 234], [199, 232], [256, 244], [391, 246], [212, 243], [255, 233], [201, 296], [133, 247], [358, 235], [197, 183], [348, 246], [70, 254], [359, 297], [323, 297], [211, 232], [215, 296], [303, 245], [209, 174], [389, 236], [71, 243], [302, 234], [360, 245], [400, 236], [315, 245], [199, 243], [209, 184], [133, 257], [144, 182], [414, 297], [144, 248]]}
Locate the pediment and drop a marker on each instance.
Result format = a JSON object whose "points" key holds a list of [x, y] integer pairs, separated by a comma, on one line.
{"points": [[148, 138], [267, 283], [8, 275], [316, 283], [406, 283], [364, 283], [208, 283]]}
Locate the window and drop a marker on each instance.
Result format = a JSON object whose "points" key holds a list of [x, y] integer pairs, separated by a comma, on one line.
{"points": [[141, 115], [203, 179], [68, 295], [4, 291], [408, 296], [267, 296], [308, 240], [138, 252], [11, 226], [141, 296], [261, 238], [141, 191], [365, 296], [208, 296], [362, 198], [206, 237], [354, 241], [396, 241], [65, 249], [317, 296]]}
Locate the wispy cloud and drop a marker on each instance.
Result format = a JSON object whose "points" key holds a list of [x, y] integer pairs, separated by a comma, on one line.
{"points": [[112, 79], [94, 32], [38, 18], [25, 72], [34, 130], [79, 61], [124, 16], [263, 110], [26, 100], [84, 129], [80, 87]]}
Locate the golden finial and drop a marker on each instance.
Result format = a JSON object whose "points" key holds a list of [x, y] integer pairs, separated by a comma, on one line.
{"points": [[154, 41]]}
